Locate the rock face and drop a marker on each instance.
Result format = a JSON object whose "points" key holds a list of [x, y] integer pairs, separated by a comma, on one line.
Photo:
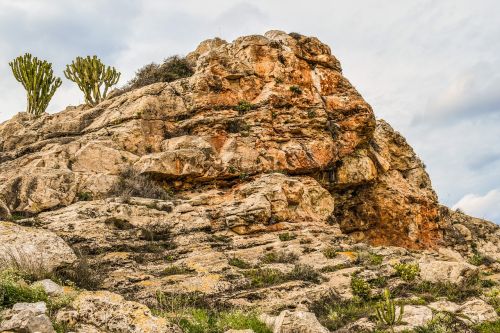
{"points": [[261, 104], [261, 181], [32, 248]]}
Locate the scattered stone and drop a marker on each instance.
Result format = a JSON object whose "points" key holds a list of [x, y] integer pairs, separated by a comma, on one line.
{"points": [[36, 308], [447, 271], [50, 287], [293, 322], [28, 318], [413, 316], [109, 311], [476, 311]]}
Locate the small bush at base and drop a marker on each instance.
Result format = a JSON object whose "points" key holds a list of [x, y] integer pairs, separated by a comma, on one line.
{"points": [[360, 288], [443, 323], [493, 327], [14, 290], [333, 312], [407, 272], [330, 253], [205, 321]]}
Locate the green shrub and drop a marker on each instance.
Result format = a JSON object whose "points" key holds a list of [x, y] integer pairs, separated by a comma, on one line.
{"points": [[172, 68], [240, 263], [92, 77], [330, 252], [37, 78], [296, 90], [430, 291], [263, 277], [304, 273], [244, 106], [333, 312], [373, 259], [279, 257], [84, 196], [14, 290], [360, 287], [407, 272], [284, 237], [492, 327]]}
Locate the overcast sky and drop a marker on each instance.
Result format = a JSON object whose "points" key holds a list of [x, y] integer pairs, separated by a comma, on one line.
{"points": [[430, 68]]}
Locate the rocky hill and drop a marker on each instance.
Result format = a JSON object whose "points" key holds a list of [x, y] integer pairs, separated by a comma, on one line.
{"points": [[261, 188]]}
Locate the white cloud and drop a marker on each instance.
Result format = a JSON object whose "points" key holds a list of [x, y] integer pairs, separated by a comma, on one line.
{"points": [[483, 206]]}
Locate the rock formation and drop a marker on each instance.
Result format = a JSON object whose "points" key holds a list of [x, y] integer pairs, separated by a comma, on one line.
{"points": [[266, 160]]}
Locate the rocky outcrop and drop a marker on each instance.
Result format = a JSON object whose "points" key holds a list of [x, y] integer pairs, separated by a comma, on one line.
{"points": [[258, 105], [263, 181]]}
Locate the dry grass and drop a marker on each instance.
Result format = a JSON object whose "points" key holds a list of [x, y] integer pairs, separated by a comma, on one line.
{"points": [[32, 267], [133, 184]]}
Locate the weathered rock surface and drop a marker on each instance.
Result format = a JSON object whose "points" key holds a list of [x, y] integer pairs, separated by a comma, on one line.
{"points": [[446, 271], [27, 317], [109, 312], [277, 186], [294, 321], [31, 247]]}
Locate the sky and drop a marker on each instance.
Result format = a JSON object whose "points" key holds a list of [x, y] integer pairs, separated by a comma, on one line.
{"points": [[430, 68]]}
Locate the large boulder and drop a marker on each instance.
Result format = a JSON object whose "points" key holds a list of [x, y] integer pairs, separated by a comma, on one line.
{"points": [[447, 271], [33, 249]]}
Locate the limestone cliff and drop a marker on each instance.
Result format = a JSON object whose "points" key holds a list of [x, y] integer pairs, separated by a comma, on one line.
{"points": [[266, 148]]}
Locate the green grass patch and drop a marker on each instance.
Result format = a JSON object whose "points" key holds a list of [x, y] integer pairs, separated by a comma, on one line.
{"points": [[287, 236], [240, 263], [431, 291], [334, 312], [493, 327], [329, 252], [279, 257], [407, 272]]}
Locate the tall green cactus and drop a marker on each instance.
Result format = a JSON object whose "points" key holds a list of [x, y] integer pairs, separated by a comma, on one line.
{"points": [[37, 77], [90, 74], [386, 311]]}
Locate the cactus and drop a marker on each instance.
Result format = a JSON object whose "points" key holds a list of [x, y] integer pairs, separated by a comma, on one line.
{"points": [[37, 77], [90, 74], [386, 311]]}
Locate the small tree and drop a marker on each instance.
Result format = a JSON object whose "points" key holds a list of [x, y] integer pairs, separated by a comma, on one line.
{"points": [[37, 77], [90, 74], [386, 311]]}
